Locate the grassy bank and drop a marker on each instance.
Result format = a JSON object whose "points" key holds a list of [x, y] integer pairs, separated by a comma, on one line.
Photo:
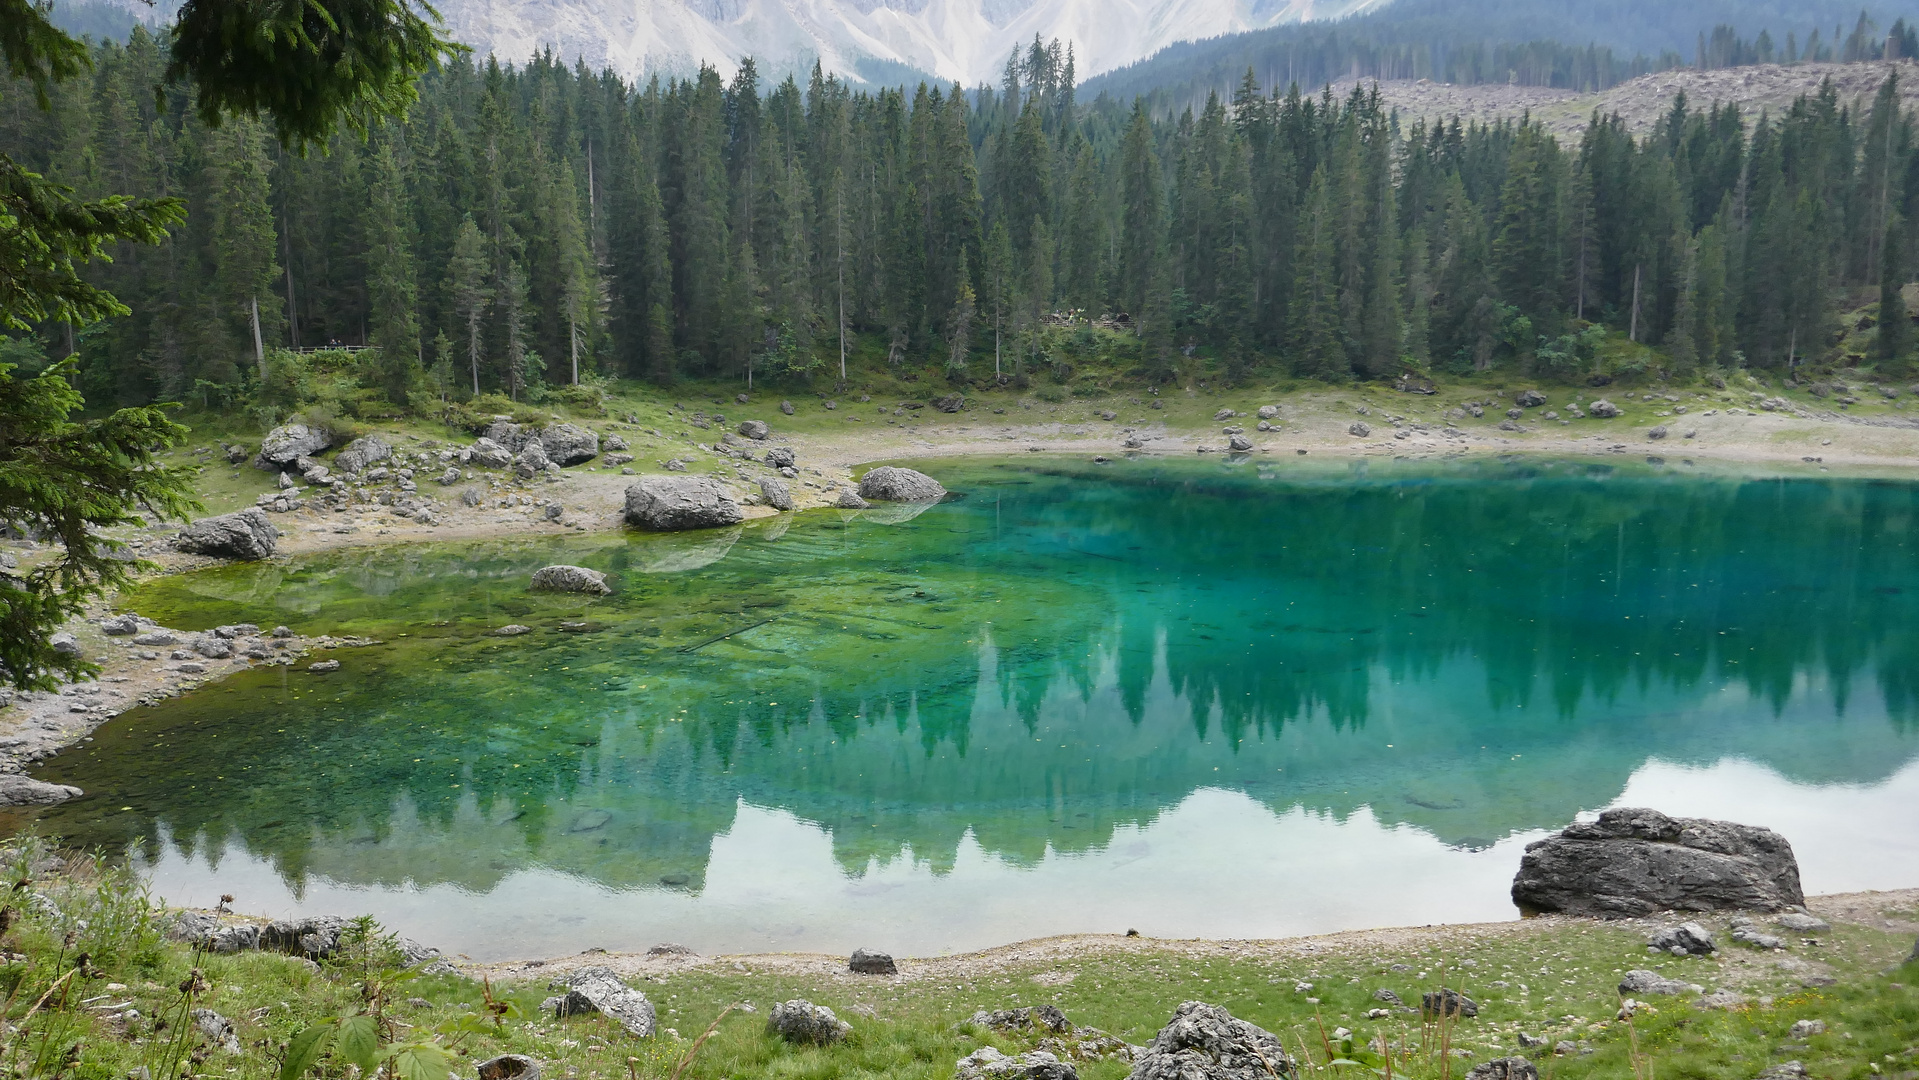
{"points": [[94, 990]]}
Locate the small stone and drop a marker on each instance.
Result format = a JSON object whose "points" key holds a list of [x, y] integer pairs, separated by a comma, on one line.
{"points": [[1359, 429], [871, 963], [1806, 1029], [1387, 996], [282, 632], [1803, 924], [988, 1063], [321, 667], [512, 630], [1657, 433], [509, 1067], [786, 407], [850, 500], [1224, 414], [120, 625], [1603, 409], [1446, 1002], [1239, 444], [1529, 399], [1651, 982], [570, 579], [1268, 412], [217, 1030]]}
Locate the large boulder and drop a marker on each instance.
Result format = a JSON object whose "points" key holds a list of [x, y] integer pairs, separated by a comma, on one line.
{"points": [[755, 430], [1603, 409], [889, 484], [18, 790], [678, 503], [872, 963], [599, 990], [806, 1023], [1633, 862], [247, 535], [1529, 399], [286, 445], [512, 436], [531, 461], [777, 494], [568, 444], [361, 453], [572, 579], [1205, 1042], [312, 936], [490, 454]]}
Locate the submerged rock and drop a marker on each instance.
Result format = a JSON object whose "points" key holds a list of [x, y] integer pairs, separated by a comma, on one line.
{"points": [[678, 503], [599, 990], [571, 579], [1205, 1042], [246, 536], [18, 790], [872, 963], [804, 1022], [1633, 862], [890, 484]]}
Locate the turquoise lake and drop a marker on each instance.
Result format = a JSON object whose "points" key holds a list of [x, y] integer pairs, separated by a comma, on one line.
{"points": [[1210, 698]]}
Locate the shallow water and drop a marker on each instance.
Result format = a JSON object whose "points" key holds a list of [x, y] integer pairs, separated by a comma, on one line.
{"points": [[1206, 698]]}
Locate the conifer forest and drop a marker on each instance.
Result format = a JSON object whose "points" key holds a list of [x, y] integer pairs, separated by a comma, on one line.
{"points": [[533, 227]]}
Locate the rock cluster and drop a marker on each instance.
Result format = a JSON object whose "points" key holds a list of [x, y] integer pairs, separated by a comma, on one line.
{"points": [[1633, 862]]}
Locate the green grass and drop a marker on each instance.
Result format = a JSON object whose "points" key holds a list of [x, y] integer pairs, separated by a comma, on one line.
{"points": [[1554, 981]]}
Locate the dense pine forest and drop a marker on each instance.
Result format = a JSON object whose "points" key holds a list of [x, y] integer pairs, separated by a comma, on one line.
{"points": [[535, 227]]}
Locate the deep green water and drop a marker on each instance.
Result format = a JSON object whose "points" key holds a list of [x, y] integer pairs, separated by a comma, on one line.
{"points": [[1197, 697]]}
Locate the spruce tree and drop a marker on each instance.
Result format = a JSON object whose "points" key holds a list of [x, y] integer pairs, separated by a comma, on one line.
{"points": [[1892, 347], [1318, 351], [393, 327], [471, 291], [242, 241]]}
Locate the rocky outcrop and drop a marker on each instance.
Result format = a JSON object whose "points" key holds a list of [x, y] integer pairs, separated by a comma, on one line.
{"points": [[361, 453], [871, 963], [889, 484], [679, 503], [571, 579], [599, 990], [1633, 862], [806, 1023], [17, 790], [286, 445], [777, 494], [1205, 1042], [987, 1063], [247, 536]]}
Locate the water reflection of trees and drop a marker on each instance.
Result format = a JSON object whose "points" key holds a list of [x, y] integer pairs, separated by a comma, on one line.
{"points": [[1245, 627]]}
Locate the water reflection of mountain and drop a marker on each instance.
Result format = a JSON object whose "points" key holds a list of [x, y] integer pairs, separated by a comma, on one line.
{"points": [[1475, 651]]}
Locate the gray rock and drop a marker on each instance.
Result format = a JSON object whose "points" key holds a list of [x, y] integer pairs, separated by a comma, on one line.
{"points": [[571, 579], [205, 931], [871, 963], [569, 444], [1603, 409], [510, 436], [230, 631], [889, 484], [318, 475], [509, 1067], [1205, 1042], [283, 446], [613, 442], [1633, 862], [1447, 1002], [280, 632], [786, 407], [512, 630], [64, 643], [450, 477], [1387, 996], [949, 403], [678, 503], [755, 430], [157, 638], [217, 1030], [490, 454], [213, 648], [1268, 412], [1657, 433], [777, 494], [1025, 1018], [1690, 938], [1506, 1068], [362, 453], [1239, 444], [1515, 414], [1804, 924], [1745, 933], [247, 536], [780, 457], [1530, 1042], [987, 1063], [1806, 1029], [1359, 429], [18, 790], [322, 667], [312, 936], [806, 1023], [1529, 399], [599, 990], [471, 497], [1790, 1070], [1651, 982], [668, 948], [531, 461], [120, 625], [1224, 414], [850, 500]]}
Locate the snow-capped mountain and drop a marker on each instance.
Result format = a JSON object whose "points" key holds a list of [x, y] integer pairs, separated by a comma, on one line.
{"points": [[959, 40]]}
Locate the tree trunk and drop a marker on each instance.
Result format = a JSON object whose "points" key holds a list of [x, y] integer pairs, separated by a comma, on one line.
{"points": [[259, 350], [1632, 331]]}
